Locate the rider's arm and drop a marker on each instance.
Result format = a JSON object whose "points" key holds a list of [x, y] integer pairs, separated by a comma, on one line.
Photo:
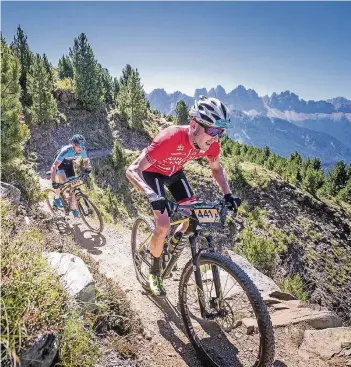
{"points": [[85, 158], [219, 175], [59, 159], [134, 173], [86, 163], [54, 169]]}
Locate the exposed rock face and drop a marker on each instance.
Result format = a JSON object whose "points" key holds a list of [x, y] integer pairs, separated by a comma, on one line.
{"points": [[325, 344], [292, 316], [11, 193]]}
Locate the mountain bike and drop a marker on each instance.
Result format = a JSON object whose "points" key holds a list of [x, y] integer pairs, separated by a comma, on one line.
{"points": [[88, 211], [215, 295]]}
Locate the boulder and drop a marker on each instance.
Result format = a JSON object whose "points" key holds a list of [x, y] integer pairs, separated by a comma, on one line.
{"points": [[324, 343], [282, 295], [292, 316], [265, 285], [11, 193], [76, 276], [287, 304]]}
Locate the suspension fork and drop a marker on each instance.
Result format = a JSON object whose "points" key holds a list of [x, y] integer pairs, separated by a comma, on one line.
{"points": [[66, 202], [215, 273], [197, 273]]}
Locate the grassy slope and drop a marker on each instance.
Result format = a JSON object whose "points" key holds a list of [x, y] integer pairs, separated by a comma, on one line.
{"points": [[35, 302]]}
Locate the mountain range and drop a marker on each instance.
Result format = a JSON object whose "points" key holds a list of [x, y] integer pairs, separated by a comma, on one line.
{"points": [[282, 121]]}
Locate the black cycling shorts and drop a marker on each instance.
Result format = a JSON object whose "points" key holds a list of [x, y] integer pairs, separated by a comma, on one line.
{"points": [[67, 167], [177, 185]]}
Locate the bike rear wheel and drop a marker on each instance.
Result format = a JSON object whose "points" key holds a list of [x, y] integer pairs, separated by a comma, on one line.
{"points": [[90, 214], [222, 337], [143, 228]]}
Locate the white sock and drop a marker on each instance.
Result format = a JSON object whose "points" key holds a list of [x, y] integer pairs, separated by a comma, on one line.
{"points": [[57, 196], [73, 206]]}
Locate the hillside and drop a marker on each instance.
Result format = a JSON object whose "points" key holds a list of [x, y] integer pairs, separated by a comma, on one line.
{"points": [[320, 231], [307, 235]]}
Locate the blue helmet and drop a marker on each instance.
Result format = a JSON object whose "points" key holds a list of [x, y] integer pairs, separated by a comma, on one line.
{"points": [[210, 112], [78, 139]]}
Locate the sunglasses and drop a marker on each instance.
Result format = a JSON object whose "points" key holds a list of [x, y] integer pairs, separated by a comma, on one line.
{"points": [[212, 131]]}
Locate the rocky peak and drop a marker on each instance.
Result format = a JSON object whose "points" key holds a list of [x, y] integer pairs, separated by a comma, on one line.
{"points": [[288, 101], [220, 92], [200, 92]]}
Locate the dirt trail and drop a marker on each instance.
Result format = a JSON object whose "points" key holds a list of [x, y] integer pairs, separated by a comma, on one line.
{"points": [[168, 344], [104, 152]]}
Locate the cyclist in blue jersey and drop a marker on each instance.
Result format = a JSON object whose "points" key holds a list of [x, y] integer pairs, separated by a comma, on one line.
{"points": [[62, 168]]}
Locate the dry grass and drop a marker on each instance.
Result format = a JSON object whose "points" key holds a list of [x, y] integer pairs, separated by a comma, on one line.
{"points": [[34, 300]]}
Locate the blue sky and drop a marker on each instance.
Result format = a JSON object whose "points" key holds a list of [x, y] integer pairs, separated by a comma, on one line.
{"points": [[303, 47]]}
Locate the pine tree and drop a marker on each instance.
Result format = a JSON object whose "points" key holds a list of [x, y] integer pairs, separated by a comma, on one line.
{"points": [[86, 72], [44, 106], [316, 163], [49, 69], [115, 88], [13, 133], [271, 162], [312, 180], [65, 67], [21, 49], [131, 101], [266, 152], [182, 113], [107, 84], [118, 156], [292, 173], [126, 73], [345, 193], [337, 179]]}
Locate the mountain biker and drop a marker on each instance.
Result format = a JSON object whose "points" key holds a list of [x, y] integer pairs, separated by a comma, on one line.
{"points": [[161, 163], [62, 168]]}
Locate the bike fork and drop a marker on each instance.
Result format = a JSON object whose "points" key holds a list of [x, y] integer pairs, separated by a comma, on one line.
{"points": [[197, 273], [215, 274]]}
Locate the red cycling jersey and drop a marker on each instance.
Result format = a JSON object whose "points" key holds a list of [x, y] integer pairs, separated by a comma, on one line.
{"points": [[171, 149]]}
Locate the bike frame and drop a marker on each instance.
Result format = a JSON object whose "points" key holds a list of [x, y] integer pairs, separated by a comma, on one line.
{"points": [[197, 233], [72, 191]]}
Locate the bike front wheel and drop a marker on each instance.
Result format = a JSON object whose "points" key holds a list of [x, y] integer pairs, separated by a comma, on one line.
{"points": [[143, 228], [230, 302], [49, 196], [90, 214]]}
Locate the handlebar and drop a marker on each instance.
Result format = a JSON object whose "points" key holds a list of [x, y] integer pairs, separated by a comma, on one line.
{"points": [[83, 176], [183, 209]]}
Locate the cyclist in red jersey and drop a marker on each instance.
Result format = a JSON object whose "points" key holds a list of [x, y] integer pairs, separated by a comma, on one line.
{"points": [[161, 163]]}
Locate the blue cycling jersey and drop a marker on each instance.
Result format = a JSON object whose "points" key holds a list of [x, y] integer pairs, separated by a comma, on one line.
{"points": [[67, 153]]}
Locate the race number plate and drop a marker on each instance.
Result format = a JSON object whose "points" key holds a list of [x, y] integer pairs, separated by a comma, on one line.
{"points": [[207, 215], [76, 183]]}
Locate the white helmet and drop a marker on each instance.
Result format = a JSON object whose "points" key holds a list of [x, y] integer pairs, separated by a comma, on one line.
{"points": [[210, 112]]}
